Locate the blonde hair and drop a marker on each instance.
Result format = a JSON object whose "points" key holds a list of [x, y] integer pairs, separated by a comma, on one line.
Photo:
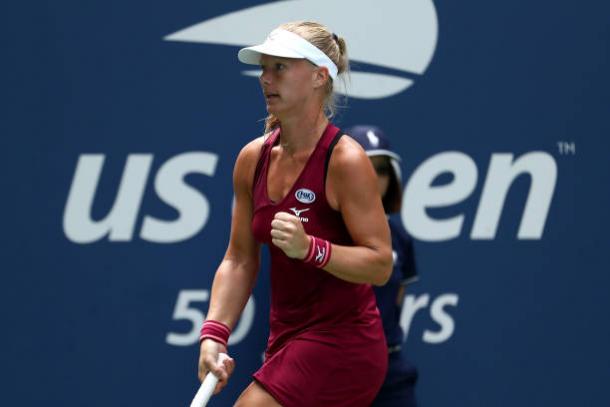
{"points": [[333, 46]]}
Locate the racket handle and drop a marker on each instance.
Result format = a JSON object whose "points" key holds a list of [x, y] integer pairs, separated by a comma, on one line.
{"points": [[207, 386]]}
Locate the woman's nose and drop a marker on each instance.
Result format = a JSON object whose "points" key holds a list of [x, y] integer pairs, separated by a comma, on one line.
{"points": [[264, 78]]}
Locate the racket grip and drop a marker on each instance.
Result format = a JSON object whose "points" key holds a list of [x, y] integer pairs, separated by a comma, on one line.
{"points": [[207, 386]]}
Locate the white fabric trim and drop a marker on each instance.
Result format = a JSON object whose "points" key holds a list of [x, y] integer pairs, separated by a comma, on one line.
{"points": [[394, 161], [379, 151], [410, 280], [286, 44]]}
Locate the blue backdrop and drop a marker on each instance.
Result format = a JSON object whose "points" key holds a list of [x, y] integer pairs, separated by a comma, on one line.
{"points": [[120, 125]]}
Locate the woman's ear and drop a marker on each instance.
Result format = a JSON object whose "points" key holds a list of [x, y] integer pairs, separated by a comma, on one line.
{"points": [[320, 77]]}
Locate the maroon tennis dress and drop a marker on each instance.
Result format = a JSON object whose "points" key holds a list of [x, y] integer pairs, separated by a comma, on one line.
{"points": [[326, 344]]}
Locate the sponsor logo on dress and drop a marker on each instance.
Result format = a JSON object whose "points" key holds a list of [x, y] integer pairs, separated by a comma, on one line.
{"points": [[297, 213], [305, 195]]}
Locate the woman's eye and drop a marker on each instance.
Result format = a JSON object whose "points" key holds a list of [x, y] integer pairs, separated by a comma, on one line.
{"points": [[280, 67]]}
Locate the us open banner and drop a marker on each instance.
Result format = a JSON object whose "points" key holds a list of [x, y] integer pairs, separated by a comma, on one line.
{"points": [[120, 125]]}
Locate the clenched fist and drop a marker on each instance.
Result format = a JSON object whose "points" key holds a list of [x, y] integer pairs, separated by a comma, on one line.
{"points": [[288, 234]]}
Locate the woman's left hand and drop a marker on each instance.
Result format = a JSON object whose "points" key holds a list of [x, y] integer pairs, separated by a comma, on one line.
{"points": [[288, 234]]}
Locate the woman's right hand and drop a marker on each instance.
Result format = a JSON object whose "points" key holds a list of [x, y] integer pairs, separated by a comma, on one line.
{"points": [[208, 362]]}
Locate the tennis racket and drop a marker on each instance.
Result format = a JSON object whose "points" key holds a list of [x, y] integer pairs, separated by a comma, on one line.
{"points": [[207, 386]]}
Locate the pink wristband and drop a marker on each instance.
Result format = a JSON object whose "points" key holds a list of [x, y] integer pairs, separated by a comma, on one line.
{"points": [[216, 331], [319, 252]]}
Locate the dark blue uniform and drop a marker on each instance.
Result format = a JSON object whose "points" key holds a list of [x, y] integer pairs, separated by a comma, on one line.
{"points": [[398, 387]]}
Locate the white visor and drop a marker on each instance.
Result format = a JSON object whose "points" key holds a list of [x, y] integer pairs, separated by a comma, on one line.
{"points": [[286, 44]]}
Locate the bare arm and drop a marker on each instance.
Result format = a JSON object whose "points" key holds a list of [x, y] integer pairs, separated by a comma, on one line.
{"points": [[237, 272], [352, 189]]}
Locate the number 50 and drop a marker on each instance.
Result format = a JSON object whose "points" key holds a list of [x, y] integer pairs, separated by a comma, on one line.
{"points": [[184, 310]]}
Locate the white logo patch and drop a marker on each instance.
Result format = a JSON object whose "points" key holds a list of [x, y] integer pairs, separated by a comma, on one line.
{"points": [[297, 213], [321, 253], [305, 195], [373, 139]]}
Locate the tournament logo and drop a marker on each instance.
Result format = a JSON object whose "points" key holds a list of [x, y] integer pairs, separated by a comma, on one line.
{"points": [[390, 42], [305, 195]]}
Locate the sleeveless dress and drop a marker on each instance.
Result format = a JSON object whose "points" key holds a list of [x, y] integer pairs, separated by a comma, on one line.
{"points": [[326, 343]]}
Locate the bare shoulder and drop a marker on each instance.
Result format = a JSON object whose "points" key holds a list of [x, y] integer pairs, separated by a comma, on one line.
{"points": [[251, 151], [348, 156], [246, 161], [349, 173]]}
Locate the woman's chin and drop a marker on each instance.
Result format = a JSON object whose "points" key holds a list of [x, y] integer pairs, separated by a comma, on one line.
{"points": [[273, 108]]}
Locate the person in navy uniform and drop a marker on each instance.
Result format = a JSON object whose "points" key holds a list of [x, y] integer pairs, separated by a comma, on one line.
{"points": [[398, 387]]}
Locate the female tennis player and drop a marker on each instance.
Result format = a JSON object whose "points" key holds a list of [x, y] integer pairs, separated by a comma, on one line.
{"points": [[311, 196], [398, 389]]}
